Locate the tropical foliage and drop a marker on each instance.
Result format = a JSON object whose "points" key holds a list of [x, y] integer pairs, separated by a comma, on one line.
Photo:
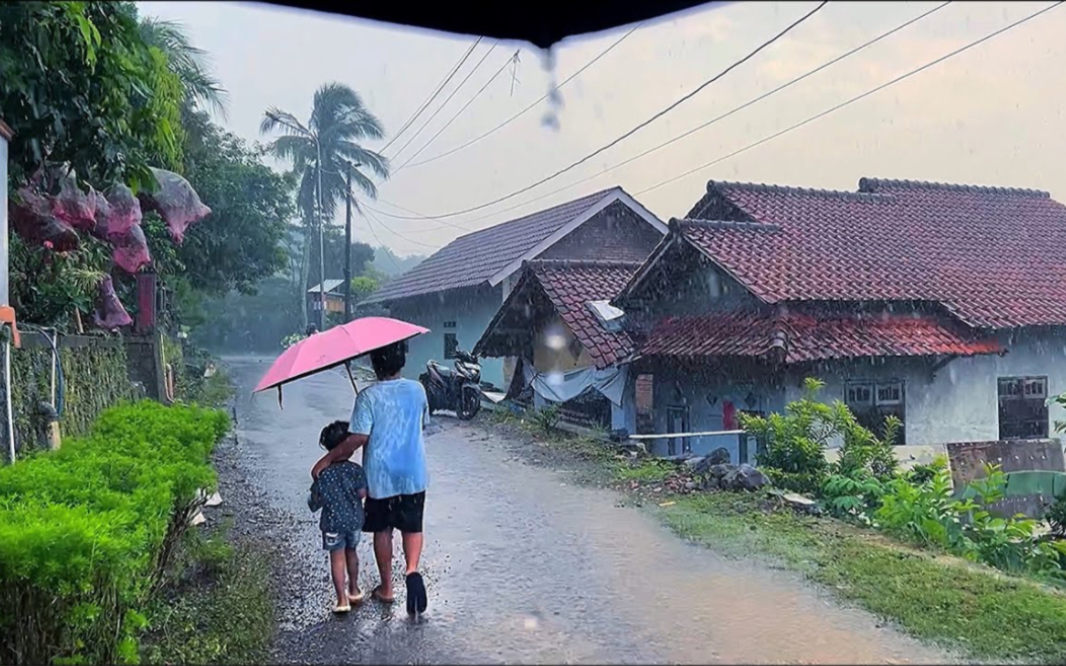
{"points": [[81, 87], [323, 152]]}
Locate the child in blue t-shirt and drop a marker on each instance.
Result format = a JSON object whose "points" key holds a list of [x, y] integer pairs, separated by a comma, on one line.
{"points": [[339, 492]]}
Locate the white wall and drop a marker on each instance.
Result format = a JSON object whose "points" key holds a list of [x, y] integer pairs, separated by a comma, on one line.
{"points": [[957, 404], [960, 402], [677, 388], [4, 248], [471, 310]]}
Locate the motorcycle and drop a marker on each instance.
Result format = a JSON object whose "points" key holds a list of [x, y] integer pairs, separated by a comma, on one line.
{"points": [[457, 389]]}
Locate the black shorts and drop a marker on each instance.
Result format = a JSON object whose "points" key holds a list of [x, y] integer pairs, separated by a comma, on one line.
{"points": [[400, 512]]}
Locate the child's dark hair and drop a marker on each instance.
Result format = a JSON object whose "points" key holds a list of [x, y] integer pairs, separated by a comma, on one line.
{"points": [[333, 434], [388, 361]]}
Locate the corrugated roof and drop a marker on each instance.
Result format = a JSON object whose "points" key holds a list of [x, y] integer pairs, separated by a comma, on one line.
{"points": [[992, 256], [474, 258], [328, 285]]}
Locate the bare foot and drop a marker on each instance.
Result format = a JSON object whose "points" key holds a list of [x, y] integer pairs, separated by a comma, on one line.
{"points": [[355, 595]]}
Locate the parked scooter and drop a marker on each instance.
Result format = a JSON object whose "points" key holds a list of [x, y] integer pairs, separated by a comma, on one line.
{"points": [[457, 389]]}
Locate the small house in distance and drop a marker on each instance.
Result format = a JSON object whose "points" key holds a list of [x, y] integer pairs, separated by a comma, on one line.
{"points": [[459, 289], [332, 290], [944, 305]]}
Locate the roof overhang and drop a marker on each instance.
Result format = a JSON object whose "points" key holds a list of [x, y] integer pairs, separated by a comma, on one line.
{"points": [[590, 212], [5, 131], [674, 239]]}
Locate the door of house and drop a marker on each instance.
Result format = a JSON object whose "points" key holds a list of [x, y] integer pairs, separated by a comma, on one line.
{"points": [[677, 421]]}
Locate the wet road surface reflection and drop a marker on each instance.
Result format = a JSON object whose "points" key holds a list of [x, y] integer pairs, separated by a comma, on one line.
{"points": [[524, 567]]}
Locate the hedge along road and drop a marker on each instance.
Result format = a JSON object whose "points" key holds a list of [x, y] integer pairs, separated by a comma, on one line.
{"points": [[523, 566]]}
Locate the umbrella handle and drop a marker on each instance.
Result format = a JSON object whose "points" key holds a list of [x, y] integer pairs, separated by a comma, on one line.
{"points": [[348, 367]]}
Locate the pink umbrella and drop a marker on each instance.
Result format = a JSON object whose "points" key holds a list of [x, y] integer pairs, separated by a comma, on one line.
{"points": [[322, 351]]}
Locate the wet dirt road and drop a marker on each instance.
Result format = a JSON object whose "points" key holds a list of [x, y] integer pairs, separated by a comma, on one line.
{"points": [[521, 565]]}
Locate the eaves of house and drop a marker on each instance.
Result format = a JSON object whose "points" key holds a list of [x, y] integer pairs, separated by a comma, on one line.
{"points": [[988, 257], [489, 256], [567, 287]]}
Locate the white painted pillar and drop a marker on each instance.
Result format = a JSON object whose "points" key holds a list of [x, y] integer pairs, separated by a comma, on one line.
{"points": [[5, 136]]}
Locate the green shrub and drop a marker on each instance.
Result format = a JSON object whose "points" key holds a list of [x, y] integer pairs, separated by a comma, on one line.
{"points": [[793, 456], [795, 442], [853, 495], [929, 514], [547, 418], [1056, 517], [86, 531]]}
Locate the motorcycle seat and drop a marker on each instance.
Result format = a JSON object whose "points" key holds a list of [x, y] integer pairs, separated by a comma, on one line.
{"points": [[443, 371]]}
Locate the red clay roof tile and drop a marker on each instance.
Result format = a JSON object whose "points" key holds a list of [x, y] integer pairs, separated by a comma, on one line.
{"points": [[809, 336], [992, 256]]}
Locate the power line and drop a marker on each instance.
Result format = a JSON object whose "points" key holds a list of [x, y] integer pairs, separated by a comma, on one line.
{"points": [[370, 215], [854, 99], [432, 95], [460, 112], [725, 115], [420, 216], [643, 124], [529, 108], [445, 103]]}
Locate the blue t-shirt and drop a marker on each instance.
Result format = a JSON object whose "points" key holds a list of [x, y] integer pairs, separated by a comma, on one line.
{"points": [[392, 414]]}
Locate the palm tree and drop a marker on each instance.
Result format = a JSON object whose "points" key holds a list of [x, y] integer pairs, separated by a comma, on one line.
{"points": [[189, 63], [322, 151]]}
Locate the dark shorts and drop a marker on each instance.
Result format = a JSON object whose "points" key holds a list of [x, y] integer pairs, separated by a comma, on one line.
{"points": [[401, 512]]}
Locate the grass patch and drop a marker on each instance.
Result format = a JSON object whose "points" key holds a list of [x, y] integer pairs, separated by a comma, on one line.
{"points": [[216, 607], [982, 612], [974, 609]]}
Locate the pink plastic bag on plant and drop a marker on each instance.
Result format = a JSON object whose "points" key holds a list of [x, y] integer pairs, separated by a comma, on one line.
{"points": [[176, 202], [73, 206], [32, 219], [103, 212], [124, 212], [130, 249], [110, 314]]}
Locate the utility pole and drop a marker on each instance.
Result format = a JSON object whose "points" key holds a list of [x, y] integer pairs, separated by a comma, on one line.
{"points": [[321, 244], [348, 250]]}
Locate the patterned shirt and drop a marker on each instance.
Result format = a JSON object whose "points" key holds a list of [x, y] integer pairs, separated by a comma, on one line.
{"points": [[336, 493], [392, 414]]}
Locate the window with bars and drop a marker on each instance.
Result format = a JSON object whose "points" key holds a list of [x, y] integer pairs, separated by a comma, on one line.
{"points": [[871, 402], [1023, 410]]}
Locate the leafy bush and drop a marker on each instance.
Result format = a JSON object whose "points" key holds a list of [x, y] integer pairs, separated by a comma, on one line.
{"points": [[547, 418], [86, 531], [853, 495], [929, 514], [794, 452], [1056, 517], [795, 443]]}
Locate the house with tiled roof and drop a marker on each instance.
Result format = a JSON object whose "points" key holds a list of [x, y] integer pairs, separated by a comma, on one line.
{"points": [[569, 341], [944, 305], [458, 290]]}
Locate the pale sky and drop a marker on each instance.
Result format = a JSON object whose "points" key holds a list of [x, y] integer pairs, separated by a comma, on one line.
{"points": [[990, 116]]}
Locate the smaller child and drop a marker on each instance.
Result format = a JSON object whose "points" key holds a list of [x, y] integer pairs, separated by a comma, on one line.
{"points": [[339, 492]]}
